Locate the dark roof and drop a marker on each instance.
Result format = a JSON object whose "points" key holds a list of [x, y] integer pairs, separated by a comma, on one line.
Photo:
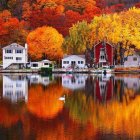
{"points": [[14, 46]]}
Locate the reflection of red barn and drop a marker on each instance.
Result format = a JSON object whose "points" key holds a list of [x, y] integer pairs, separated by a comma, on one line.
{"points": [[104, 89], [103, 54]]}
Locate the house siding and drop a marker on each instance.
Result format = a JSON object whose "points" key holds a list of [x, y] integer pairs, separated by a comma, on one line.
{"points": [[75, 58], [130, 61], [10, 58], [109, 53]]}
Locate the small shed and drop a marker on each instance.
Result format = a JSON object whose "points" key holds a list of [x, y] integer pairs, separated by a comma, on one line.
{"points": [[41, 64], [132, 60]]}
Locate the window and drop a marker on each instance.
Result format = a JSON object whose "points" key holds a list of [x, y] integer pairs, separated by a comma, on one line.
{"points": [[35, 65], [19, 51], [18, 58], [65, 62], [8, 57], [125, 59], [78, 62], [82, 62], [102, 57], [46, 63], [135, 59], [8, 51], [73, 80]]}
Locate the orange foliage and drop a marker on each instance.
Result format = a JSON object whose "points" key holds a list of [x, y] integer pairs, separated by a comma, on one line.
{"points": [[60, 15], [10, 29], [45, 41], [45, 103]]}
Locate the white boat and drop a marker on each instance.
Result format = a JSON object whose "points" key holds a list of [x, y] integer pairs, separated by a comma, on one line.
{"points": [[104, 70]]}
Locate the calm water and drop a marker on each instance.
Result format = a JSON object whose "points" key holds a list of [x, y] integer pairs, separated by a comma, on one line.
{"points": [[69, 107]]}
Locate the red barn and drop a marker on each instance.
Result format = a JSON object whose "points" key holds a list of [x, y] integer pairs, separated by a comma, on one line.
{"points": [[103, 54]]}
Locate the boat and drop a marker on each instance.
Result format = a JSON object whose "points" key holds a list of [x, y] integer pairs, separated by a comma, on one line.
{"points": [[69, 70], [103, 70]]}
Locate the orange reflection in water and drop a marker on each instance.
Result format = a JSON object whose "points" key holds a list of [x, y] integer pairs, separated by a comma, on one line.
{"points": [[119, 118], [8, 116], [113, 116], [45, 103], [59, 128]]}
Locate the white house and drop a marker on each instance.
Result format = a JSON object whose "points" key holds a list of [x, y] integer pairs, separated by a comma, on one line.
{"points": [[15, 88], [15, 56], [73, 61], [41, 64], [132, 61]]}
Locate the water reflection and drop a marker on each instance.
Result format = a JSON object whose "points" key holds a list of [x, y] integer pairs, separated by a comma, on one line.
{"points": [[95, 107], [74, 82], [38, 79], [15, 87]]}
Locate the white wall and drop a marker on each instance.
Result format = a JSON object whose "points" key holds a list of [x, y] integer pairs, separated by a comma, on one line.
{"points": [[8, 62], [40, 64], [73, 58]]}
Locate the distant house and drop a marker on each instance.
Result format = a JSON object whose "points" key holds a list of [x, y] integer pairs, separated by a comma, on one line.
{"points": [[15, 56], [73, 61], [132, 61], [103, 54], [41, 64]]}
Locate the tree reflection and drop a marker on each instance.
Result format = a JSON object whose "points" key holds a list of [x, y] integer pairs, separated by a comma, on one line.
{"points": [[113, 115], [83, 115], [44, 102], [10, 114]]}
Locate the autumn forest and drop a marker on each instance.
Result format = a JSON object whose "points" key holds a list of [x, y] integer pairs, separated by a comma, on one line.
{"points": [[53, 28]]}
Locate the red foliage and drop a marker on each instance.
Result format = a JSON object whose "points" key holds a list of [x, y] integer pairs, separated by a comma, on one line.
{"points": [[137, 5]]}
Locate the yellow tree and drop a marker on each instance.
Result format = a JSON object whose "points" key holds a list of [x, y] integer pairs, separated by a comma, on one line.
{"points": [[45, 41], [122, 30], [80, 37]]}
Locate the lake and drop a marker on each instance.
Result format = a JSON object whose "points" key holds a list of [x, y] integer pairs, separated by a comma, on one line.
{"points": [[69, 107]]}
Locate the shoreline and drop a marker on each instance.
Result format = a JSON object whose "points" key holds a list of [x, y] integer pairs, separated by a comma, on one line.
{"points": [[84, 71]]}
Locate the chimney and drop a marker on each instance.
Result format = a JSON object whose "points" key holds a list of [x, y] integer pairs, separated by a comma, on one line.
{"points": [[26, 46]]}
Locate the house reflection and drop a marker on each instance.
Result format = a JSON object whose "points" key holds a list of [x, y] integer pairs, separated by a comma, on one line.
{"points": [[132, 82], [15, 87], [38, 79], [103, 87], [74, 82]]}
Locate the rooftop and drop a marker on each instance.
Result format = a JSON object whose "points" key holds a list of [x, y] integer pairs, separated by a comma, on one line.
{"points": [[66, 56], [14, 46]]}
